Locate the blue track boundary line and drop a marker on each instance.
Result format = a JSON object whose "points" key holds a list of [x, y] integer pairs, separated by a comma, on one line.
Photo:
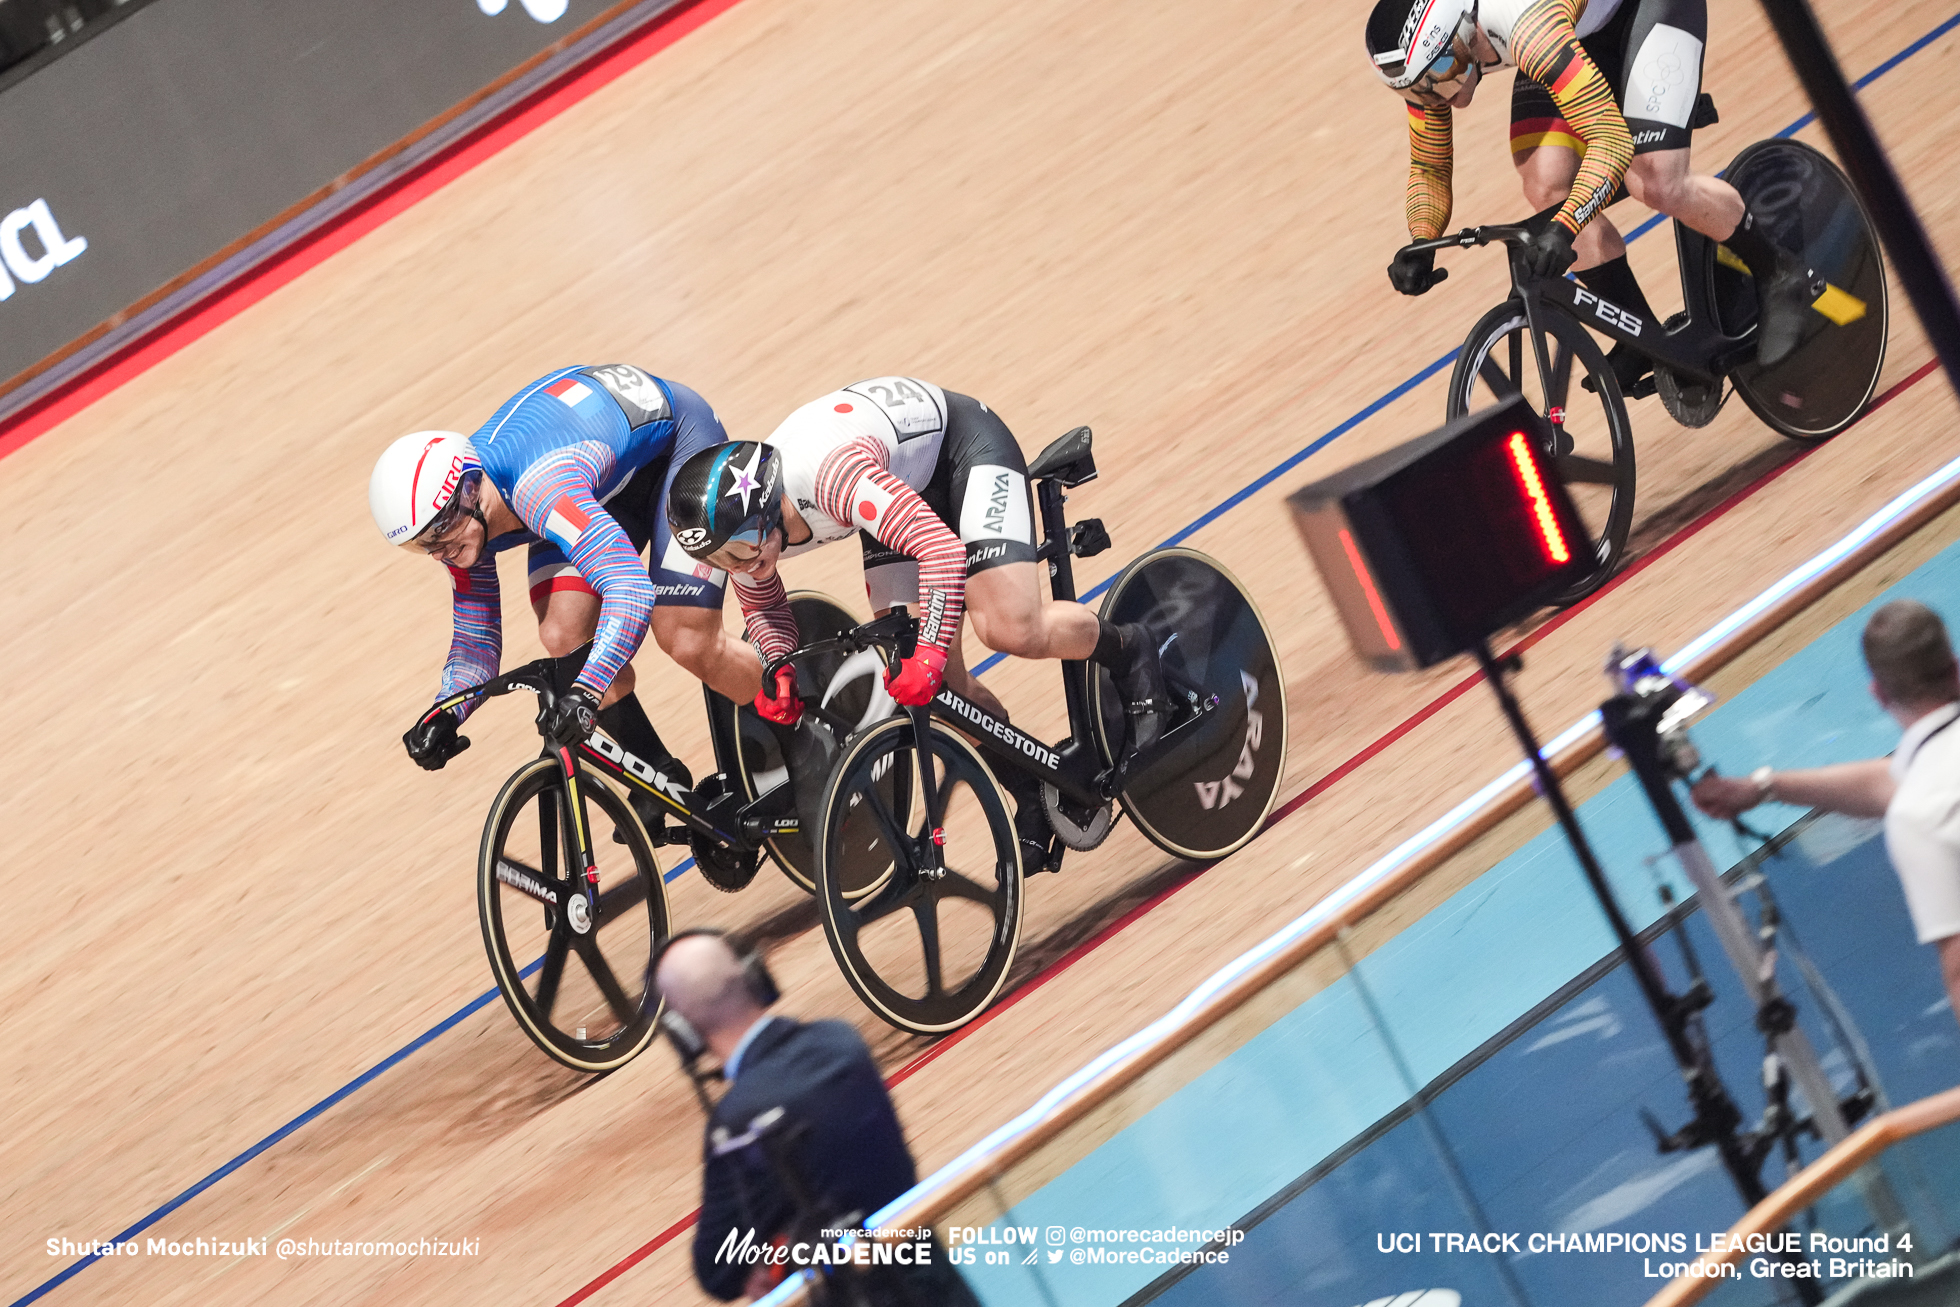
{"points": [[482, 1000], [359, 1082]]}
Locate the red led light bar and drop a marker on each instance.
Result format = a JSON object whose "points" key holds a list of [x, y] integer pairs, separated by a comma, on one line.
{"points": [[1375, 604], [1541, 505]]}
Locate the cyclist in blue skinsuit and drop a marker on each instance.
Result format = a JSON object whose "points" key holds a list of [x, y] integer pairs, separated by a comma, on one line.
{"points": [[576, 465]]}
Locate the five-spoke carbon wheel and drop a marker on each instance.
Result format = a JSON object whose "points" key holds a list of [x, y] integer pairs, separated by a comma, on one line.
{"points": [[580, 986], [1592, 441], [1207, 791], [930, 949]]}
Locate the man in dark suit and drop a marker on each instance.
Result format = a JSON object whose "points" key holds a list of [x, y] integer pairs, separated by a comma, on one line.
{"points": [[837, 1130]]}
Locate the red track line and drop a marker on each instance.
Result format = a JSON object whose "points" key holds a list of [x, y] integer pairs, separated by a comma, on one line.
{"points": [[633, 1259], [145, 353], [1060, 965], [1288, 808]]}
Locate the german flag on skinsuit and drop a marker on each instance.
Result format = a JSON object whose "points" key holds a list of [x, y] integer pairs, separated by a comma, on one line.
{"points": [[1546, 47], [564, 524], [1530, 133]]}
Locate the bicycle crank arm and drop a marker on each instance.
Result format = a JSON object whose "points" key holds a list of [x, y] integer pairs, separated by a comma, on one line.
{"points": [[1111, 782], [754, 830]]}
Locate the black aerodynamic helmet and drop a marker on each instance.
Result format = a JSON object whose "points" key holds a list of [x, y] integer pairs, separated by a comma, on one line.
{"points": [[732, 492]]}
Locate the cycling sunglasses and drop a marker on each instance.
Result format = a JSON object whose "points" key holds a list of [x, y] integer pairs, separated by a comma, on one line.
{"points": [[435, 536], [744, 546], [1445, 77]]}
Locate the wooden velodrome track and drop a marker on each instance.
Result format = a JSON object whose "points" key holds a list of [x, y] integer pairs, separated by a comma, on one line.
{"points": [[230, 894]]}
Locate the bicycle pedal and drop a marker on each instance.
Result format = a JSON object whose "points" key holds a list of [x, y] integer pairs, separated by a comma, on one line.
{"points": [[1640, 389], [1087, 538]]}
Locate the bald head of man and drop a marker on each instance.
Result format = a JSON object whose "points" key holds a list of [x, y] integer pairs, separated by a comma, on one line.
{"points": [[700, 978]]}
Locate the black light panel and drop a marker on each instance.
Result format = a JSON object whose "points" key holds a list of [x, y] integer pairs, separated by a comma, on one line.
{"points": [[1437, 544]]}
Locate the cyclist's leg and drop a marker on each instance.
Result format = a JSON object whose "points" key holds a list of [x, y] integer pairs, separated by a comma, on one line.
{"points": [[1545, 151], [687, 594], [567, 609], [964, 683], [1009, 616], [1038, 846], [981, 490], [1663, 60]]}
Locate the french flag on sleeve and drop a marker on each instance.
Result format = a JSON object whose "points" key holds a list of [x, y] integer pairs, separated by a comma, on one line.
{"points": [[570, 390], [564, 524]]}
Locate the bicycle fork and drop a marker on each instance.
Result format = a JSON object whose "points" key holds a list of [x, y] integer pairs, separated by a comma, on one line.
{"points": [[930, 851], [581, 911]]}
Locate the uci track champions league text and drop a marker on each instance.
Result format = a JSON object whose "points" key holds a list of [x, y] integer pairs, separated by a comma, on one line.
{"points": [[1665, 1255]]}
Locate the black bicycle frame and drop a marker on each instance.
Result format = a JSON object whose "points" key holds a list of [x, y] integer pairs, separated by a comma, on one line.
{"points": [[723, 818], [1075, 766], [1695, 348]]}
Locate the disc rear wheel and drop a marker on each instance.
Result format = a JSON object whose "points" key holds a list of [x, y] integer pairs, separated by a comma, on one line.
{"points": [[1806, 204], [1223, 752]]}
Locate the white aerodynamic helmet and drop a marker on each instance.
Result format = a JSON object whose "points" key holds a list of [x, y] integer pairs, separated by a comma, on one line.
{"points": [[415, 479], [1421, 48]]}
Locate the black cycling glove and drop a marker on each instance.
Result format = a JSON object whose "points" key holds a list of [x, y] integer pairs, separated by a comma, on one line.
{"points": [[571, 718], [434, 742], [1548, 253], [1415, 271]]}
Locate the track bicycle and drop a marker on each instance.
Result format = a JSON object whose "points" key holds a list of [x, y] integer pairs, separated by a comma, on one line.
{"points": [[567, 871], [1808, 206], [929, 942]]}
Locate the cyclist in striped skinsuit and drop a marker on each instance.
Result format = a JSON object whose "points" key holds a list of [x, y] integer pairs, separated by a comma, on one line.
{"points": [[575, 466], [1605, 95], [936, 488]]}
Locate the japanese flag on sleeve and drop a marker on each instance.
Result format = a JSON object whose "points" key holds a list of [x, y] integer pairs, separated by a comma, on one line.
{"points": [[871, 503]]}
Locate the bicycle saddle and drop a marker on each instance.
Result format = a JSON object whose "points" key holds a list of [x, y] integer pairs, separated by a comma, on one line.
{"points": [[1068, 460]]}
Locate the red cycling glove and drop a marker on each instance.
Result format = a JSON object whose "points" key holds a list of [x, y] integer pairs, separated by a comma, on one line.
{"points": [[784, 707], [918, 678]]}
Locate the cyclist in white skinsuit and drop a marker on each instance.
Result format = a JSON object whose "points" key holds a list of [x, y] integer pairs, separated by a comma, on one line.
{"points": [[936, 486]]}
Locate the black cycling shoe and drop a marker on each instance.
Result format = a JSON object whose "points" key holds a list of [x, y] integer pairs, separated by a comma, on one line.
{"points": [[1783, 307], [1632, 369], [1141, 686], [1031, 826], [652, 815]]}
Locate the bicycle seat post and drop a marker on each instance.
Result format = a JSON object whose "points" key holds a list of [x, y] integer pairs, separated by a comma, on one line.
{"points": [[1054, 540]]}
